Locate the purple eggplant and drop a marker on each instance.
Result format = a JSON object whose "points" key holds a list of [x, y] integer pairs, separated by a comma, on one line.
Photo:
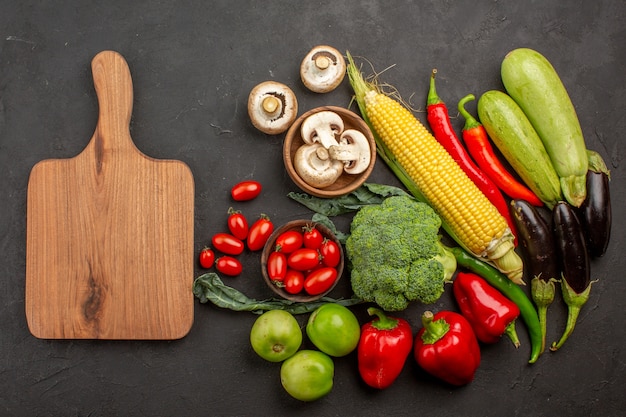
{"points": [[576, 275], [595, 212], [537, 243]]}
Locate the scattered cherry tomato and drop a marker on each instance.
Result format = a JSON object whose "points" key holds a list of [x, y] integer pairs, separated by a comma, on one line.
{"points": [[303, 259], [227, 243], [312, 237], [331, 253], [277, 266], [228, 265], [207, 258], [320, 280], [245, 190], [294, 281], [289, 241], [259, 232], [237, 224]]}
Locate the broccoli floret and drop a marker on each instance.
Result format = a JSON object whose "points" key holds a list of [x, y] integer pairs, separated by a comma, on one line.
{"points": [[395, 254]]}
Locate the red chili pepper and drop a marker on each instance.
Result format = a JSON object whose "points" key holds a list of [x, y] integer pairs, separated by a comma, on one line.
{"points": [[439, 121], [385, 344], [446, 347], [479, 147], [490, 313]]}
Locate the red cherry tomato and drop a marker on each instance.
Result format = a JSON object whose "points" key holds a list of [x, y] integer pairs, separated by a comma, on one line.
{"points": [[312, 237], [294, 281], [245, 190], [237, 224], [207, 258], [288, 241], [228, 265], [331, 253], [227, 243], [277, 266], [259, 232], [320, 280], [303, 259]]}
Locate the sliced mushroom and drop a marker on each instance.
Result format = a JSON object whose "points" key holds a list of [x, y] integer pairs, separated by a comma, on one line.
{"points": [[272, 107], [353, 150], [322, 127], [322, 69], [315, 167]]}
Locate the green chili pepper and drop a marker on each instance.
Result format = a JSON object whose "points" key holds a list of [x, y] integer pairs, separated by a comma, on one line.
{"points": [[512, 291]]}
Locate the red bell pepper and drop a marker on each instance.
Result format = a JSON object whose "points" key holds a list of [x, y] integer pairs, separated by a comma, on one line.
{"points": [[446, 347], [490, 313], [384, 345]]}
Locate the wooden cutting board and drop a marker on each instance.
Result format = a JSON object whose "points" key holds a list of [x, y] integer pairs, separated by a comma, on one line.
{"points": [[109, 239]]}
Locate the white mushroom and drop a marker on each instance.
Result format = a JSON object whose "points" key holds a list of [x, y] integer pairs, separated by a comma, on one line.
{"points": [[272, 107], [322, 69], [314, 166], [322, 127], [353, 150]]}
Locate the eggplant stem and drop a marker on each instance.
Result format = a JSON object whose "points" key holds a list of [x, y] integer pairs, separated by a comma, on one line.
{"points": [[575, 302], [543, 294], [572, 316], [542, 312]]}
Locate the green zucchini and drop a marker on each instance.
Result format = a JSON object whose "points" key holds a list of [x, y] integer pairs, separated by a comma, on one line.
{"points": [[532, 82], [513, 134]]}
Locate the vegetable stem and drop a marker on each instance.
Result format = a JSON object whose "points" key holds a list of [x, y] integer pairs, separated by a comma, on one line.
{"points": [[433, 98], [542, 293], [511, 332], [434, 329], [575, 302], [384, 322], [470, 121]]}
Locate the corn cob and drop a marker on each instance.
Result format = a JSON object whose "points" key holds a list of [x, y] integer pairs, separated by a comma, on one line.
{"points": [[471, 219]]}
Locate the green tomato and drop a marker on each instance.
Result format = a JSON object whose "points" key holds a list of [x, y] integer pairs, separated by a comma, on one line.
{"points": [[276, 335], [307, 375], [334, 329]]}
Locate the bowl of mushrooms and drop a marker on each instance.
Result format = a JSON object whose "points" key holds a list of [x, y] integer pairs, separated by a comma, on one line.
{"points": [[329, 151]]}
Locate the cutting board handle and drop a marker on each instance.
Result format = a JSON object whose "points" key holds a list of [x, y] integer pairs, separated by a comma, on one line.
{"points": [[114, 88]]}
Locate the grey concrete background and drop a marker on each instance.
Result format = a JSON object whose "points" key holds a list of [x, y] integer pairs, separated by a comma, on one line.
{"points": [[193, 64]]}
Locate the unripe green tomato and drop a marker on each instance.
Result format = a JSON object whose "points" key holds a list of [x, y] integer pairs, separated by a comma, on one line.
{"points": [[307, 375], [334, 329], [276, 335]]}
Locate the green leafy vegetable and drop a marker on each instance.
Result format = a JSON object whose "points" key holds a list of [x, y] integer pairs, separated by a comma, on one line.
{"points": [[366, 195], [326, 221], [209, 287]]}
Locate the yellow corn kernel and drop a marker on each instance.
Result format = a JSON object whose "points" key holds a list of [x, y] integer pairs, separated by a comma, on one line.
{"points": [[472, 217]]}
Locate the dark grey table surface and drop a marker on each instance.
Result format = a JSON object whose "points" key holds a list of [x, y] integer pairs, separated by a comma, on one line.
{"points": [[193, 64]]}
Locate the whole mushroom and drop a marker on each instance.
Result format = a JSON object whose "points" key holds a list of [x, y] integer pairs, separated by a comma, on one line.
{"points": [[272, 107], [322, 127], [315, 167], [353, 151], [322, 69]]}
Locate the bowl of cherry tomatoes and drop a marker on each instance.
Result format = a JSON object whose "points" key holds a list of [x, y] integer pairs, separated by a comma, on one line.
{"points": [[302, 261]]}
